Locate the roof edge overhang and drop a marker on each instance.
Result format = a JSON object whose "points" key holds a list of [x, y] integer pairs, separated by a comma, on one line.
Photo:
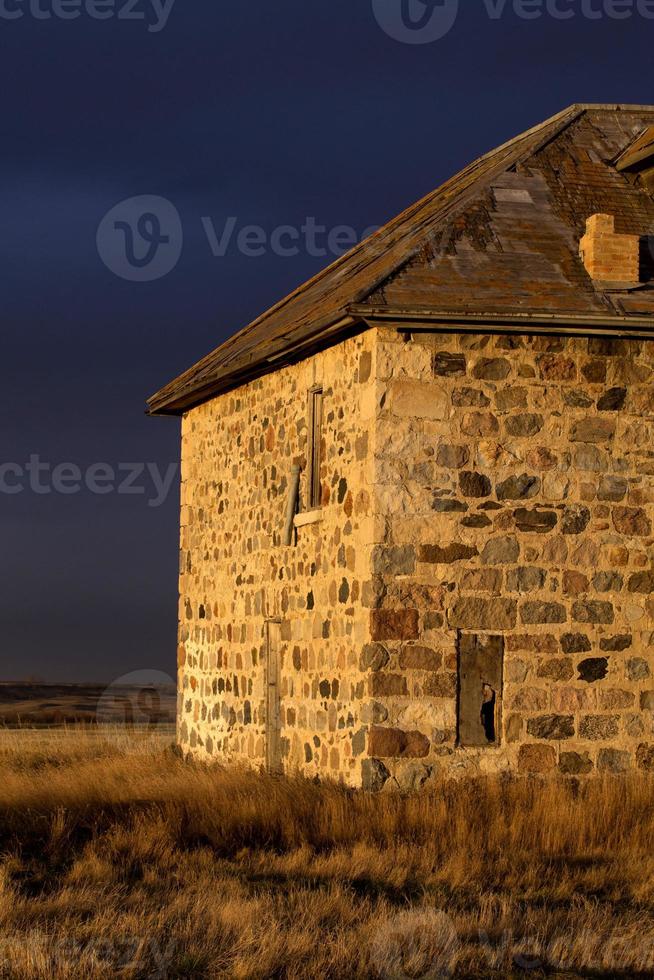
{"points": [[572, 324], [176, 403], [363, 317]]}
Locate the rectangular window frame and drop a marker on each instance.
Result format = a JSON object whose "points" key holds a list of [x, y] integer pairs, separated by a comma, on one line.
{"points": [[470, 646], [314, 448]]}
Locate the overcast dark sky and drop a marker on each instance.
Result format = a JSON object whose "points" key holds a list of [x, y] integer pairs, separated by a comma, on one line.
{"points": [[270, 113]]}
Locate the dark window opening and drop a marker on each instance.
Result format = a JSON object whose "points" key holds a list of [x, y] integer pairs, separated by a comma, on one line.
{"points": [[480, 659], [314, 454], [487, 714]]}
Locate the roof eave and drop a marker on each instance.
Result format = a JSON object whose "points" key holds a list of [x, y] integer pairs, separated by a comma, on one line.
{"points": [[563, 324], [170, 401], [413, 321]]}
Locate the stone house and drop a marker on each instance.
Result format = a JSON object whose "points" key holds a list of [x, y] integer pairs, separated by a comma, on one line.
{"points": [[417, 495]]}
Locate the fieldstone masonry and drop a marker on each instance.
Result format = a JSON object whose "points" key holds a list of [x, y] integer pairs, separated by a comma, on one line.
{"points": [[238, 451], [471, 484]]}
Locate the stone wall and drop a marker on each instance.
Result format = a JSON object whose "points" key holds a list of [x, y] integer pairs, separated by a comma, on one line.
{"points": [[514, 495], [237, 455], [496, 486]]}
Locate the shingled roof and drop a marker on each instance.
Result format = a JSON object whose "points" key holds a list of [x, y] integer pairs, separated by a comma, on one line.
{"points": [[497, 245]]}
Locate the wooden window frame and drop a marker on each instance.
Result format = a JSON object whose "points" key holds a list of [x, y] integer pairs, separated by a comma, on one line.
{"points": [[314, 448]]}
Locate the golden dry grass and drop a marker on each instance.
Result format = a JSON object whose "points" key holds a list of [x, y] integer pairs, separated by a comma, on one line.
{"points": [[118, 863]]}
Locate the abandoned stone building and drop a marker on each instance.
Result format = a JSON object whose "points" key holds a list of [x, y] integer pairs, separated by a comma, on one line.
{"points": [[417, 496]]}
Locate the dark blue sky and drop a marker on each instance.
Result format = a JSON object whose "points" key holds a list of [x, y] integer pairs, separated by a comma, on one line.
{"points": [[267, 112]]}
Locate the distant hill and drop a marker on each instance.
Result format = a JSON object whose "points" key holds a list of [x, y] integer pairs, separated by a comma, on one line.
{"points": [[46, 705]]}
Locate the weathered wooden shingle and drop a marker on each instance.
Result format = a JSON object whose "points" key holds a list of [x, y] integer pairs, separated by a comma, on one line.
{"points": [[499, 241]]}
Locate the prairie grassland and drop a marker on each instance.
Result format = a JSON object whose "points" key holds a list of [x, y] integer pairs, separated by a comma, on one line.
{"points": [[121, 860]]}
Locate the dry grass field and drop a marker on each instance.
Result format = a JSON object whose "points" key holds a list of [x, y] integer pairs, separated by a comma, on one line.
{"points": [[120, 860]]}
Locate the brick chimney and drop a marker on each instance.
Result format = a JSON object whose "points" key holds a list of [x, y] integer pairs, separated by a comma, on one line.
{"points": [[608, 257]]}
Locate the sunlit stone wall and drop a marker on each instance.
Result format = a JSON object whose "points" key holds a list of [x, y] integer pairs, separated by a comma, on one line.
{"points": [[471, 484], [514, 483], [238, 451]]}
